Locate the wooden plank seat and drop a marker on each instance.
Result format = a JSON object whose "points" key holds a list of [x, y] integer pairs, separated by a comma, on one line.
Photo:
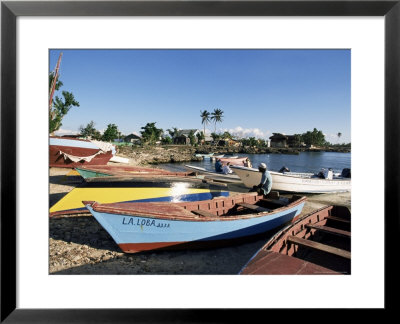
{"points": [[319, 246], [274, 201], [253, 207], [203, 213], [330, 230], [338, 219]]}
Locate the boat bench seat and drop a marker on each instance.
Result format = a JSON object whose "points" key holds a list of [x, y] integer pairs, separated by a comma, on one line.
{"points": [[319, 246], [274, 201], [330, 230], [253, 207], [203, 213], [338, 219]]}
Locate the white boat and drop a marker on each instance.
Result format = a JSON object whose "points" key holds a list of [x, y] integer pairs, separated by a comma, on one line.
{"points": [[294, 181], [216, 157], [233, 178], [204, 155]]}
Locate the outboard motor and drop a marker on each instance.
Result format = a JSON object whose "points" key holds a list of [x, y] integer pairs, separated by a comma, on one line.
{"points": [[321, 174], [346, 173], [284, 169]]}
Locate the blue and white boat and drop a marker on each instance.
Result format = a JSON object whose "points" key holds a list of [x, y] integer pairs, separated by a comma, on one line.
{"points": [[139, 227]]}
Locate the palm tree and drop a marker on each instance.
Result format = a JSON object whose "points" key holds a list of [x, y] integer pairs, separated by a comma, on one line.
{"points": [[205, 119], [216, 116], [338, 135]]}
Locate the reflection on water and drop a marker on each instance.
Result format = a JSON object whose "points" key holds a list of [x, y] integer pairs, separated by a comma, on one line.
{"points": [[303, 162]]}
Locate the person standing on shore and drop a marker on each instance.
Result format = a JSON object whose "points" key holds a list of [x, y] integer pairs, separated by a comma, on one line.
{"points": [[265, 185], [218, 166]]}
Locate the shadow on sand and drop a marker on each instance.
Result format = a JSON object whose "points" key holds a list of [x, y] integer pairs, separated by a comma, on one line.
{"points": [[85, 230], [223, 261]]}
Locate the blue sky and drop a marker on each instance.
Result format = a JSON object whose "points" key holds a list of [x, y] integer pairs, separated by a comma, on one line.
{"points": [[260, 91]]}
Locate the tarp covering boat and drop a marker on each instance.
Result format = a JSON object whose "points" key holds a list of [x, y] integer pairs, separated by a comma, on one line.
{"points": [[71, 152]]}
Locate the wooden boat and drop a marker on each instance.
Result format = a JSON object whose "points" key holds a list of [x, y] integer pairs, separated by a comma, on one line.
{"points": [[234, 160], [294, 182], [145, 188], [70, 152], [218, 176], [139, 227], [318, 243], [96, 171]]}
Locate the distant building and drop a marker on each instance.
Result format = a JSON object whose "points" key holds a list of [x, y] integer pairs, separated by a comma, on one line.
{"points": [[228, 142], [208, 139], [183, 136], [278, 140], [132, 138], [281, 140], [181, 139]]}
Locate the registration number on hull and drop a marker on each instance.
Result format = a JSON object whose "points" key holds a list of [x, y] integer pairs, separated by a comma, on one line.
{"points": [[144, 222]]}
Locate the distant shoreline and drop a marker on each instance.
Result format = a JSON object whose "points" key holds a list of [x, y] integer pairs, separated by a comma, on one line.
{"points": [[159, 154], [267, 150]]}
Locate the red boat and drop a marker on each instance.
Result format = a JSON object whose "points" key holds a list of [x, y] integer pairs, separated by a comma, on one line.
{"points": [[70, 152], [318, 243]]}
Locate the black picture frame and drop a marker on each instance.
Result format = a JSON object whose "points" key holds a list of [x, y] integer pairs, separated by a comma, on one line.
{"points": [[10, 10]]}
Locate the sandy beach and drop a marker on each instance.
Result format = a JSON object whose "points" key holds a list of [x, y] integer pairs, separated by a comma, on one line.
{"points": [[79, 245]]}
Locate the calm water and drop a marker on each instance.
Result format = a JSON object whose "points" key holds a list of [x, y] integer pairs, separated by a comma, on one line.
{"points": [[304, 162]]}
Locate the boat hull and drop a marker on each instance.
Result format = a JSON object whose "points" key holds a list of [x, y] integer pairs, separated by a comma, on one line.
{"points": [[136, 233], [75, 147], [215, 175], [88, 172], [293, 183]]}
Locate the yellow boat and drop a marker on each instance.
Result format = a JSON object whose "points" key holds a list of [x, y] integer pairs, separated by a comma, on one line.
{"points": [[153, 189]]}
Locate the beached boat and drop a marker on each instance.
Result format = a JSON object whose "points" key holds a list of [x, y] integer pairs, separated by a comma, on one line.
{"points": [[145, 188], [208, 155], [317, 243], [231, 178], [139, 227], [71, 152], [96, 171], [234, 160], [294, 182]]}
